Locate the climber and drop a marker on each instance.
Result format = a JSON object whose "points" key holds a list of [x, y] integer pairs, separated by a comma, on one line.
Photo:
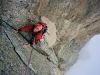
{"points": [[37, 32]]}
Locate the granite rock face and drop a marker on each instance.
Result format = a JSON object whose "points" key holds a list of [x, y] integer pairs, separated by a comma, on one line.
{"points": [[70, 26]]}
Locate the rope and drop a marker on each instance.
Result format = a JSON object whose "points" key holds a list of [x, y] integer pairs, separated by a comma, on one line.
{"points": [[28, 63], [29, 59]]}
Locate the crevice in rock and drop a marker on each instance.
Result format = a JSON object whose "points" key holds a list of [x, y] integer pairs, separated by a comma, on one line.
{"points": [[46, 54], [41, 52], [91, 23]]}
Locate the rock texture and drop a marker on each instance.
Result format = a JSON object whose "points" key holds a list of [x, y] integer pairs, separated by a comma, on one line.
{"points": [[71, 23]]}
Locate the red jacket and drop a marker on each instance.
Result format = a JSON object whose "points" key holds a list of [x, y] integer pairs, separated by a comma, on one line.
{"points": [[36, 37]]}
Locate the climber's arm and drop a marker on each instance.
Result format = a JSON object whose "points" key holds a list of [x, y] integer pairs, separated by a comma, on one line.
{"points": [[28, 27]]}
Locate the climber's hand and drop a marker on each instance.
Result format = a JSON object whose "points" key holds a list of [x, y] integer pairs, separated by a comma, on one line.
{"points": [[15, 31], [26, 45]]}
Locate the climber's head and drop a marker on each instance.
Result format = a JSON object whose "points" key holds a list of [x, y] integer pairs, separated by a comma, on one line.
{"points": [[37, 28]]}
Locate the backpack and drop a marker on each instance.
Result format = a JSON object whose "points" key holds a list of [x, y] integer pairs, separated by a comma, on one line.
{"points": [[44, 27]]}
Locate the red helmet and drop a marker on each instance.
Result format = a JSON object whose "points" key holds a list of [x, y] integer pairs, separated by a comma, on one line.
{"points": [[38, 27]]}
